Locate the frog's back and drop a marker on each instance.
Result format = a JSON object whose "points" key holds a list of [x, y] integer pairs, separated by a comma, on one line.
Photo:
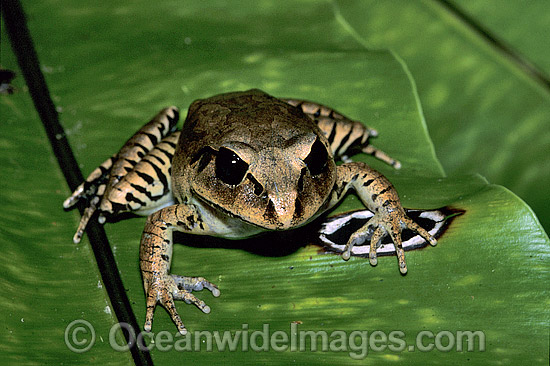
{"points": [[251, 117]]}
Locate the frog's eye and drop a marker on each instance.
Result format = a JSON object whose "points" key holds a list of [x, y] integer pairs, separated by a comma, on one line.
{"points": [[316, 161], [230, 168]]}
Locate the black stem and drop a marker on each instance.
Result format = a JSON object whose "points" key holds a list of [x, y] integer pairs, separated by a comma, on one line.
{"points": [[21, 42], [528, 67]]}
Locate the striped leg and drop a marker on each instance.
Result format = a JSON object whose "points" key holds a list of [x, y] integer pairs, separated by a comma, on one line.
{"points": [[155, 258], [343, 134], [380, 197], [150, 149], [146, 188]]}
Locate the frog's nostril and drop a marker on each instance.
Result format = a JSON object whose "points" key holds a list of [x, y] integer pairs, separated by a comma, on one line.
{"points": [[280, 210], [270, 215]]}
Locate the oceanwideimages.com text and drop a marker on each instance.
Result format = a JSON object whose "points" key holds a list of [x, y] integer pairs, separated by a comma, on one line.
{"points": [[80, 337]]}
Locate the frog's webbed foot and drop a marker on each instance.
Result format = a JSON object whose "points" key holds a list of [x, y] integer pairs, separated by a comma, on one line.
{"points": [[390, 222], [167, 288], [379, 197]]}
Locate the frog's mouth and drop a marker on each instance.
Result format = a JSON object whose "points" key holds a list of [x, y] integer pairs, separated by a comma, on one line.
{"points": [[263, 216], [224, 223]]}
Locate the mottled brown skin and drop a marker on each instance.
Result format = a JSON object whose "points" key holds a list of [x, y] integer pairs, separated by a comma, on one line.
{"points": [[245, 163], [276, 146]]}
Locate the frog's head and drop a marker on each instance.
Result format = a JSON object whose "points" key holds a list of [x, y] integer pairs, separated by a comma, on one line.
{"points": [[274, 187]]}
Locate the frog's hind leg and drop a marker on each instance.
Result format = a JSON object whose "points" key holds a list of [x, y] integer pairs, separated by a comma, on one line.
{"points": [[344, 135], [141, 170], [147, 187]]}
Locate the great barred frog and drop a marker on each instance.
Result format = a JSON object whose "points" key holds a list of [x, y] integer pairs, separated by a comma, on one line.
{"points": [[244, 163]]}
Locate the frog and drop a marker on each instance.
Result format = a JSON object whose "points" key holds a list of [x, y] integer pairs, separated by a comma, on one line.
{"points": [[244, 163]]}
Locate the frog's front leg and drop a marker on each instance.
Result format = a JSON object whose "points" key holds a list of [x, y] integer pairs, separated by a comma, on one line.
{"points": [[379, 196], [155, 258]]}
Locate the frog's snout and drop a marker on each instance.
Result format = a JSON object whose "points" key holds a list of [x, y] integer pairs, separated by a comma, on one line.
{"points": [[281, 209]]}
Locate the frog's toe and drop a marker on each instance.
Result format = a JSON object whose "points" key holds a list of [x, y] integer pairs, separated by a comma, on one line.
{"points": [[189, 298], [379, 226], [409, 223], [358, 238], [195, 284], [165, 294], [395, 235], [173, 288], [185, 285], [75, 197], [374, 243], [170, 306], [88, 212]]}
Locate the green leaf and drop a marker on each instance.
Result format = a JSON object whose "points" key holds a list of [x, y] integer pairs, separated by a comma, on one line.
{"points": [[110, 67], [485, 113], [509, 23]]}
